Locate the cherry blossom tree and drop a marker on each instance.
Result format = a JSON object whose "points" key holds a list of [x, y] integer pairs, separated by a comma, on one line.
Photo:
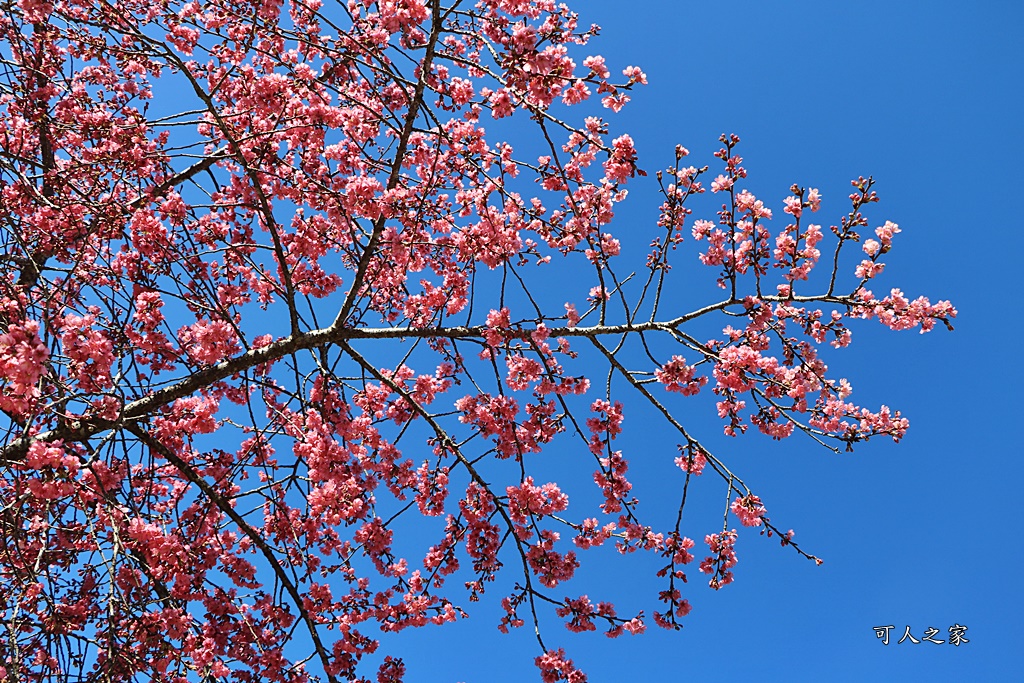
{"points": [[281, 355]]}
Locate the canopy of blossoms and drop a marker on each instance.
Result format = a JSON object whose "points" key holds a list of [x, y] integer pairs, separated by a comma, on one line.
{"points": [[277, 356]]}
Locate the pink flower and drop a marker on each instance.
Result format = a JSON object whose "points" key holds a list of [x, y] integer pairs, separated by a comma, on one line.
{"points": [[692, 462], [572, 316], [615, 102], [794, 206], [702, 228], [885, 233], [723, 559], [597, 65], [522, 371], [721, 183], [500, 101], [555, 667], [621, 165], [814, 198], [677, 376], [22, 362], [498, 322], [749, 509], [576, 93], [90, 352], [635, 75], [868, 269], [208, 341]]}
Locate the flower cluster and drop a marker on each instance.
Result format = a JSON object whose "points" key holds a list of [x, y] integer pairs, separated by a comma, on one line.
{"points": [[677, 376], [749, 509], [723, 558]]}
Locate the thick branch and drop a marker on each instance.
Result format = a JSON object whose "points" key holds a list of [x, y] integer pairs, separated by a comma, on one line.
{"points": [[142, 408]]}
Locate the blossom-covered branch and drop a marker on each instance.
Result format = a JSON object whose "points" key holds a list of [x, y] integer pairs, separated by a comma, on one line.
{"points": [[277, 280]]}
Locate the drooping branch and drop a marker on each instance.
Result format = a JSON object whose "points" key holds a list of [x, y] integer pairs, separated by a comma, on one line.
{"points": [[257, 540]]}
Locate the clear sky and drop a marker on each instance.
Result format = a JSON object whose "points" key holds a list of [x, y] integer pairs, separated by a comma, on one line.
{"points": [[925, 96]]}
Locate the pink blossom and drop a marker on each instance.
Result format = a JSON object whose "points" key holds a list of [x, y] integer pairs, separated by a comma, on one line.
{"points": [[576, 93], [209, 341], [572, 316], [868, 269], [597, 65], [22, 364], [721, 183], [615, 102], [749, 509], [723, 558], [885, 234], [89, 350], [635, 75], [677, 376], [621, 165], [555, 667], [528, 500], [692, 462], [794, 206], [814, 198]]}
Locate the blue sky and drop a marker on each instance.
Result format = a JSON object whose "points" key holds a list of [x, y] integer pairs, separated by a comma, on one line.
{"points": [[926, 97]]}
